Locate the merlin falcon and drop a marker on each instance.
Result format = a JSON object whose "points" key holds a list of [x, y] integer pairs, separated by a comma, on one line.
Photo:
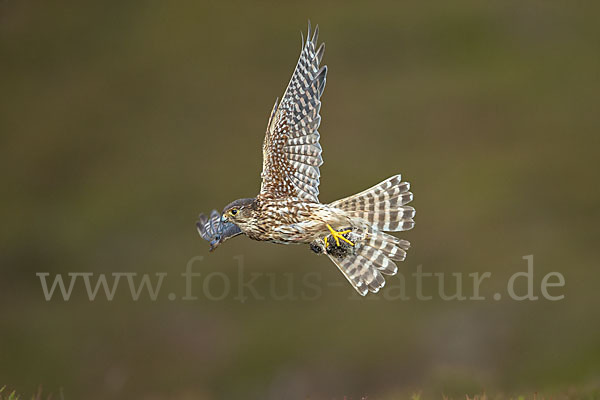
{"points": [[350, 231]]}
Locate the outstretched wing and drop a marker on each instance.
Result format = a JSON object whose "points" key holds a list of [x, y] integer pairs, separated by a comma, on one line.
{"points": [[291, 149], [215, 231]]}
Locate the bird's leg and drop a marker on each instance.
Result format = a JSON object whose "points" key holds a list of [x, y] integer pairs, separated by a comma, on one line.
{"points": [[337, 235]]}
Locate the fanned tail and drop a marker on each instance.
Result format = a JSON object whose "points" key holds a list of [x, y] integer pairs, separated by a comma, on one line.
{"points": [[383, 208]]}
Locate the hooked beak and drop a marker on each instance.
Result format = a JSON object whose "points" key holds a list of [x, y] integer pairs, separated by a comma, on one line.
{"points": [[224, 218]]}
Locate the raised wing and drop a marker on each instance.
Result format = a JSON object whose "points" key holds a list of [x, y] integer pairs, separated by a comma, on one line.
{"points": [[215, 231], [291, 149]]}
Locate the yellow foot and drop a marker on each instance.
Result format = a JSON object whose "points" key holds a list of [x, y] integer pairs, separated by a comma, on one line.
{"points": [[337, 235]]}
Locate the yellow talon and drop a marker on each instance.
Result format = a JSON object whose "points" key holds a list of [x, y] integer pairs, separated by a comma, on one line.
{"points": [[326, 244], [338, 235]]}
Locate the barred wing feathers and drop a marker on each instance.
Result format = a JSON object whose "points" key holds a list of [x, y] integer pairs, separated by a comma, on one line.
{"points": [[291, 149]]}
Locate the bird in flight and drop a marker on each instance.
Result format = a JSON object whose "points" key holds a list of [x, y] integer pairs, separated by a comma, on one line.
{"points": [[350, 231]]}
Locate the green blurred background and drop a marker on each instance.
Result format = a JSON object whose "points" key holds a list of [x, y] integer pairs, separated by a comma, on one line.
{"points": [[121, 121]]}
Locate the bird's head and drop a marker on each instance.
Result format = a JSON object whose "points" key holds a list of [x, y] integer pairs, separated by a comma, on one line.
{"points": [[238, 210]]}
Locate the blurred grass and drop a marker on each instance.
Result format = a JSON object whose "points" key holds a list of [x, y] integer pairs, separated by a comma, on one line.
{"points": [[122, 120], [6, 394]]}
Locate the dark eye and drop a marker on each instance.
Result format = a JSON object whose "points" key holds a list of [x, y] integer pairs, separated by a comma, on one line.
{"points": [[234, 211]]}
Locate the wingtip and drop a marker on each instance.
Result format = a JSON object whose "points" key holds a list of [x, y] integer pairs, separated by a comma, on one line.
{"points": [[315, 35]]}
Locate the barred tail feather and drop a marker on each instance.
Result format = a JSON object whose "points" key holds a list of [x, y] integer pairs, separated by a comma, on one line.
{"points": [[372, 258], [380, 208], [383, 206], [360, 272]]}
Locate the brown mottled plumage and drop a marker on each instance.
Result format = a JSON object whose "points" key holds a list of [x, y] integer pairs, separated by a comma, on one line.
{"points": [[287, 209]]}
